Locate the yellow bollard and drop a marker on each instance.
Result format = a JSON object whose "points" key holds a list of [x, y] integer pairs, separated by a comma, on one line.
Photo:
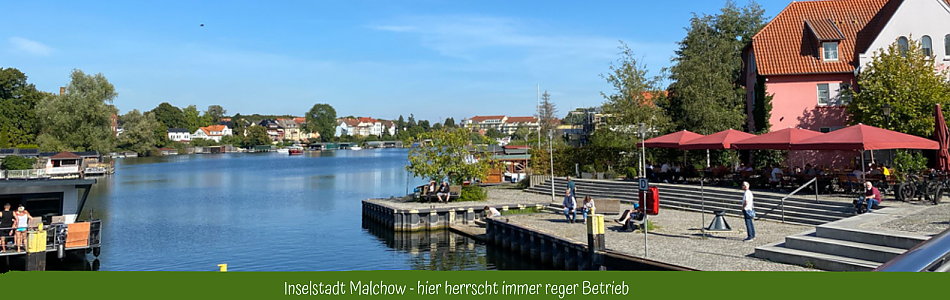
{"points": [[222, 267]]}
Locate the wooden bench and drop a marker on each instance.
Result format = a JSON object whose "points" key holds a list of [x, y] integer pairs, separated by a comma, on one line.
{"points": [[603, 206], [455, 191]]}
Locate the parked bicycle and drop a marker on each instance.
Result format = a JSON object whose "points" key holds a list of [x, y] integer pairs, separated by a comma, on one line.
{"points": [[927, 188]]}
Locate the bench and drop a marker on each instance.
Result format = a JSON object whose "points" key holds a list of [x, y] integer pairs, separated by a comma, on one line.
{"points": [[604, 206], [455, 191]]}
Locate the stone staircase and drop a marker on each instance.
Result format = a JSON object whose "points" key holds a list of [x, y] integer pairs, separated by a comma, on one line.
{"points": [[843, 245], [801, 209]]}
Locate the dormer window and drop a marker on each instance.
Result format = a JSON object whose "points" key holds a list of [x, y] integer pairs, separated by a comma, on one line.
{"points": [[830, 50]]}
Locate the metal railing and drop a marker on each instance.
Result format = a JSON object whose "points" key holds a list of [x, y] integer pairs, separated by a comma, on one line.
{"points": [[932, 255], [26, 174], [57, 234], [782, 204]]}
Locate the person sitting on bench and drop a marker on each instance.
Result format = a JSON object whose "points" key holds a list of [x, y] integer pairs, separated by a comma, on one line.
{"points": [[443, 194], [872, 198], [628, 215]]}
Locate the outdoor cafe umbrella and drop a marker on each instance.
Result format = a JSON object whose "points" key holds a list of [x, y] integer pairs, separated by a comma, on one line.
{"points": [[862, 138], [943, 138], [776, 140], [672, 140], [717, 141]]}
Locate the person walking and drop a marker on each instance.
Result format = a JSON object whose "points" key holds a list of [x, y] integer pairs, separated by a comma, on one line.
{"points": [[748, 211], [569, 207]]}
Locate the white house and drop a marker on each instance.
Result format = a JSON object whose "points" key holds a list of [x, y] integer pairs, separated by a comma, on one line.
{"points": [[179, 135], [347, 127], [370, 126], [926, 21], [213, 132]]}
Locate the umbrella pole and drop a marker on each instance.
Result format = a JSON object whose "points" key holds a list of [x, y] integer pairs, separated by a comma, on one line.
{"points": [[863, 172]]}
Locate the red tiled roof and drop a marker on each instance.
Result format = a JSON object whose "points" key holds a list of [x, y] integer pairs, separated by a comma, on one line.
{"points": [[65, 155], [367, 120], [485, 118], [300, 120], [350, 122], [212, 128], [513, 120], [790, 43]]}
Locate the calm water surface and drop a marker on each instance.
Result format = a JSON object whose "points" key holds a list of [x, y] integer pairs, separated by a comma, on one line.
{"points": [[267, 212]]}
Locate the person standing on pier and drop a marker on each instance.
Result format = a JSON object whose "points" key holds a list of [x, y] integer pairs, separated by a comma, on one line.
{"points": [[23, 221], [571, 188], [6, 225], [569, 207], [748, 211]]}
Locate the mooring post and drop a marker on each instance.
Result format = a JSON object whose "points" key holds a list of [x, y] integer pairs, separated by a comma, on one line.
{"points": [[595, 238], [36, 249]]}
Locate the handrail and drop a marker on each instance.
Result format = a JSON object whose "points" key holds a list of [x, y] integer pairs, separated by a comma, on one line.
{"points": [[796, 191], [932, 255]]}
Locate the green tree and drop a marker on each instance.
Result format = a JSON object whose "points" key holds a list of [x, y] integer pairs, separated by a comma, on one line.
{"points": [[450, 122], [18, 100], [447, 156], [81, 119], [256, 136], [908, 82], [238, 125], [761, 108], [192, 118], [400, 124], [547, 113], [494, 133], [170, 116], [14, 162], [216, 113], [636, 97], [138, 133], [321, 119], [706, 95]]}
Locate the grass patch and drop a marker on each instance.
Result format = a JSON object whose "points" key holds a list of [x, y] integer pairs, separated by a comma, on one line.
{"points": [[651, 226], [527, 210]]}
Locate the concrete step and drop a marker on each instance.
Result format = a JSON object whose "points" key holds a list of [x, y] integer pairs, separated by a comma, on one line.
{"points": [[810, 242], [778, 252], [886, 239], [711, 192]]}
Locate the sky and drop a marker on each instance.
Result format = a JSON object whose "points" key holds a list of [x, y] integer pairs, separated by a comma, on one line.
{"points": [[376, 58]]}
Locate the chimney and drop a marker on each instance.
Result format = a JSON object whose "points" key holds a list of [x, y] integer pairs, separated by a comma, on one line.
{"points": [[62, 90]]}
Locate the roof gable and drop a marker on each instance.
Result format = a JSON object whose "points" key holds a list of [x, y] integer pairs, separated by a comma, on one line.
{"points": [[790, 43], [486, 118]]}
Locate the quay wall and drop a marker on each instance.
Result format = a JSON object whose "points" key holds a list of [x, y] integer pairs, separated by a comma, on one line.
{"points": [[563, 253], [427, 219]]}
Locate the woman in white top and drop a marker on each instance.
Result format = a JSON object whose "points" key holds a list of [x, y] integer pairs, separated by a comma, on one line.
{"points": [[22, 222], [588, 207]]}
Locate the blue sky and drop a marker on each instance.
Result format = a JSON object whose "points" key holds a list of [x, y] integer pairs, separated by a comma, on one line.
{"points": [[435, 59]]}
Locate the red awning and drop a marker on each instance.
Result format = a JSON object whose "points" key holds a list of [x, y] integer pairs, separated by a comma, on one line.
{"points": [[672, 140], [864, 137], [716, 141], [776, 140]]}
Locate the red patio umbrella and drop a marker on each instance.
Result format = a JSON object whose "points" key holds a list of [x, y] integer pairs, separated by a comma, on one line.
{"points": [[775, 140], [943, 138], [863, 137], [717, 141], [672, 140]]}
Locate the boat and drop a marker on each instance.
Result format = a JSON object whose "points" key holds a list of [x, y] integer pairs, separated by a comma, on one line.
{"points": [[295, 150], [57, 203], [283, 150], [356, 148]]}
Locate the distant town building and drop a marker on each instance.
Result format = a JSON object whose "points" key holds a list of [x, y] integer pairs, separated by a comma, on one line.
{"points": [[274, 130], [504, 124], [291, 129], [181, 135], [213, 132], [347, 126]]}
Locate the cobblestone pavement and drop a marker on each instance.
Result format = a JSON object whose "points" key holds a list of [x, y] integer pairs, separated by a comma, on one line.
{"points": [[678, 241], [930, 220]]}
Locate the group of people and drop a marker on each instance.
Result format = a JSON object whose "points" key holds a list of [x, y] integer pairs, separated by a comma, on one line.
{"points": [[21, 219], [667, 171], [570, 204], [441, 191]]}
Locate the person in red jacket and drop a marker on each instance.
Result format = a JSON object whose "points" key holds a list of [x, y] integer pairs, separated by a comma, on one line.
{"points": [[872, 197]]}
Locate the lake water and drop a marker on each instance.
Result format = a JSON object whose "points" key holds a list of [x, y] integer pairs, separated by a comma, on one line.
{"points": [[268, 212]]}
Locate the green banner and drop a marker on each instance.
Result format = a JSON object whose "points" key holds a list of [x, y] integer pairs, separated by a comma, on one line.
{"points": [[489, 284]]}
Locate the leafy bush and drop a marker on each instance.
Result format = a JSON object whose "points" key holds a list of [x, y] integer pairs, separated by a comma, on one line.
{"points": [[630, 172], [524, 183], [908, 163], [17, 163], [473, 193], [590, 169]]}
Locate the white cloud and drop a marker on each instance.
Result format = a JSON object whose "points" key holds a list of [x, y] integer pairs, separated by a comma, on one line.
{"points": [[30, 47]]}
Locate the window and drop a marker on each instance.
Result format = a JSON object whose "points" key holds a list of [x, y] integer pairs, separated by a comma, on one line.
{"points": [[946, 45], [903, 45], [830, 50], [824, 129], [823, 94], [844, 92], [927, 46]]}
